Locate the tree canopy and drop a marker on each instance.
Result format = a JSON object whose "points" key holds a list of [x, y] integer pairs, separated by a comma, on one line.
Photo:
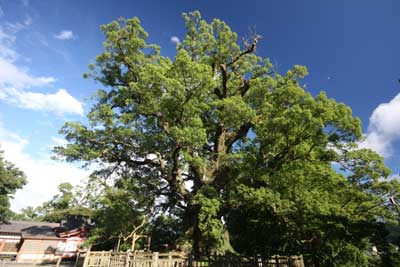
{"points": [[11, 179], [68, 202], [243, 158]]}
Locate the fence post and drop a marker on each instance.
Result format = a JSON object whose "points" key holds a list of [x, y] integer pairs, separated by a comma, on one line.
{"points": [[77, 259], [190, 260], [86, 259], [170, 259], [127, 259], [109, 259], [59, 261], [154, 260], [277, 260]]}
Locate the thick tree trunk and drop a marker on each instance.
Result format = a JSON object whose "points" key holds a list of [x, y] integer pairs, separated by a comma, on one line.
{"points": [[197, 251], [192, 228]]}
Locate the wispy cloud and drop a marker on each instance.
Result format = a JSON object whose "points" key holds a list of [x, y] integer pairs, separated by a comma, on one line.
{"points": [[28, 21], [6, 53], [14, 76], [1, 12], [8, 32], [25, 3], [65, 35], [18, 26], [384, 127], [175, 40]]}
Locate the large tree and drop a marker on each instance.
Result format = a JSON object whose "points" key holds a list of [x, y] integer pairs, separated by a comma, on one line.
{"points": [[220, 139], [11, 179]]}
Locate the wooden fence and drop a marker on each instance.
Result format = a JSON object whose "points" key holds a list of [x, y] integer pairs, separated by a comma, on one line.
{"points": [[240, 261], [176, 259]]}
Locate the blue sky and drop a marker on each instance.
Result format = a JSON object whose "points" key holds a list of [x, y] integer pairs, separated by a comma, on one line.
{"points": [[351, 48]]}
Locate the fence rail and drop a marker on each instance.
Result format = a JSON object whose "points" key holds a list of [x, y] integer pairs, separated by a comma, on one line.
{"points": [[176, 259]]}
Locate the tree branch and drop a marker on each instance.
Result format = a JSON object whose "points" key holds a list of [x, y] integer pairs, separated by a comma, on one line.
{"points": [[250, 49], [241, 133]]}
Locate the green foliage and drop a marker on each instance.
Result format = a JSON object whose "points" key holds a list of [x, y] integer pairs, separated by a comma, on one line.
{"points": [[390, 256], [11, 179], [209, 223], [27, 214], [165, 232], [280, 166], [117, 215], [70, 201]]}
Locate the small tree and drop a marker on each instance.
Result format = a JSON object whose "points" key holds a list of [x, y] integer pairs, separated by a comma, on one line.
{"points": [[69, 201], [11, 179]]}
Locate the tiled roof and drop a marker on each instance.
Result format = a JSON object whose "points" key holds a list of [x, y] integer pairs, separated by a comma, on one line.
{"points": [[30, 229]]}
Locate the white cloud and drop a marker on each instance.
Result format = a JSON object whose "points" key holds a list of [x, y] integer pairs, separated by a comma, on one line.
{"points": [[384, 127], [15, 80], [175, 40], [59, 141], [43, 174], [12, 75], [60, 102], [65, 35]]}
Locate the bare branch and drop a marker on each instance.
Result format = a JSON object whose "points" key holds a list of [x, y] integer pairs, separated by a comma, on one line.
{"points": [[137, 228], [250, 48]]}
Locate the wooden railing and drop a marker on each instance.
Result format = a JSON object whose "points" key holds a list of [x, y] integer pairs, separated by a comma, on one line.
{"points": [[176, 259], [97, 259], [241, 261]]}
